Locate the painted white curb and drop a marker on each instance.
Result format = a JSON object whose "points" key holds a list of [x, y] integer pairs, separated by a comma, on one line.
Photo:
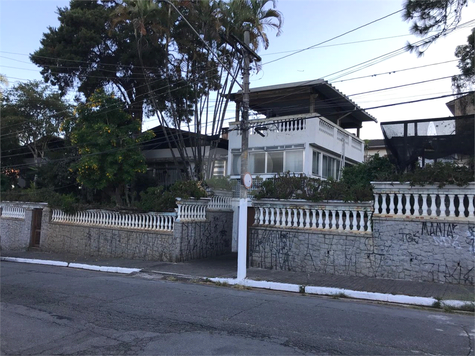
{"points": [[38, 262], [104, 268], [122, 270], [382, 297], [286, 287]]}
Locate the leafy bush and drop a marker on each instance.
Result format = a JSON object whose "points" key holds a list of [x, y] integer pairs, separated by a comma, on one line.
{"points": [[65, 202], [355, 184], [220, 183], [160, 199]]}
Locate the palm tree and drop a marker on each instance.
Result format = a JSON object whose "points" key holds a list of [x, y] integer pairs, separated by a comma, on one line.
{"points": [[3, 83], [237, 14]]}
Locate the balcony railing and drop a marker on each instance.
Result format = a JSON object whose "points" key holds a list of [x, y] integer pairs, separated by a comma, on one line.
{"points": [[400, 199], [337, 216], [103, 218]]}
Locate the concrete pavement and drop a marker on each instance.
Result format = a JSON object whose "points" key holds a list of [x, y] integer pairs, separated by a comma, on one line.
{"points": [[223, 269]]}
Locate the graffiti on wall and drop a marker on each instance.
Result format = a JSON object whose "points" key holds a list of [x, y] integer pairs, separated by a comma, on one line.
{"points": [[470, 239], [443, 234], [205, 239]]}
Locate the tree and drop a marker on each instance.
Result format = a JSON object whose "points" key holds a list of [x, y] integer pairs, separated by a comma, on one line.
{"points": [[32, 113], [432, 16], [3, 83], [466, 55], [108, 144], [146, 51]]}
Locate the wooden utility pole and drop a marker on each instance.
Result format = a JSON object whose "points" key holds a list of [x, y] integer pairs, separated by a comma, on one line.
{"points": [[242, 238]]}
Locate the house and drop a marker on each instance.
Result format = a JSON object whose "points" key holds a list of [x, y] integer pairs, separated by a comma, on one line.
{"points": [[373, 147], [300, 127], [160, 161], [464, 105], [418, 142]]}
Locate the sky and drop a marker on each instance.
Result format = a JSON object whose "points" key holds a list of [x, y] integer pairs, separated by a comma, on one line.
{"points": [[306, 24]]}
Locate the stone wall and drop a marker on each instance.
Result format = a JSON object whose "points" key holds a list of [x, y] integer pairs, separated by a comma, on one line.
{"points": [[426, 249], [15, 234], [209, 238], [189, 240], [433, 250], [311, 251], [106, 242]]}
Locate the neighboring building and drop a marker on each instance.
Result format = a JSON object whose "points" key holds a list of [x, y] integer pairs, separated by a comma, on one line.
{"points": [[305, 126], [418, 142], [449, 139], [465, 105], [159, 158], [373, 147]]}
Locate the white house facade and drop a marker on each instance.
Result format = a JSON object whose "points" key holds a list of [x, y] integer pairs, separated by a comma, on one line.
{"points": [[301, 128]]}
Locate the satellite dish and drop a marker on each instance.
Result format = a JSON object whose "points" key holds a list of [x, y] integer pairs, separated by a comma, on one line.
{"points": [[431, 131]]}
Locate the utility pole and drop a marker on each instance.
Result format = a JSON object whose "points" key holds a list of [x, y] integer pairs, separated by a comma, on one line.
{"points": [[242, 238]]}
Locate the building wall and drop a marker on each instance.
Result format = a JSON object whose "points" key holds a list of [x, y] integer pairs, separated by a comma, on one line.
{"points": [[189, 240], [434, 251], [15, 233], [204, 239]]}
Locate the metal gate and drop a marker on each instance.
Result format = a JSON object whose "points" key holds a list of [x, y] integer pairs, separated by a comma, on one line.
{"points": [[37, 214]]}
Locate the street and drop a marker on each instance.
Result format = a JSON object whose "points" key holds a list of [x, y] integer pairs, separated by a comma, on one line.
{"points": [[55, 310]]}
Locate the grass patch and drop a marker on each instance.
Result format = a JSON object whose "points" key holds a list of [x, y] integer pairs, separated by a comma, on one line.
{"points": [[339, 295], [470, 307]]}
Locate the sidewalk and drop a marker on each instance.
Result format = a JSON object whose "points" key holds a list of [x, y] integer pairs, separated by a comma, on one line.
{"points": [[223, 269]]}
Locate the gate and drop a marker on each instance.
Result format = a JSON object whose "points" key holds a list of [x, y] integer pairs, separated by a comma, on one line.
{"points": [[37, 214]]}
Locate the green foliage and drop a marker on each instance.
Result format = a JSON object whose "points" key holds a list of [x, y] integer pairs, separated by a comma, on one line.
{"points": [[355, 184], [65, 202], [220, 183], [466, 54], [108, 144], [440, 173], [160, 199]]}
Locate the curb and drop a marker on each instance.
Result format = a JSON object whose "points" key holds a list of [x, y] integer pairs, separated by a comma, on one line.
{"points": [[122, 270], [329, 291], [284, 287]]}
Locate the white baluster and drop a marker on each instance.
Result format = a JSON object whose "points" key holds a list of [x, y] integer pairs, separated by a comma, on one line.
{"points": [[307, 218], [407, 205], [278, 221], [376, 204], [333, 227], [320, 218], [301, 223], [355, 222], [451, 205], [391, 203], [266, 216], [272, 217], [424, 204], [370, 216], [340, 220], [471, 206], [294, 218], [361, 213], [314, 218], [327, 219], [399, 204]]}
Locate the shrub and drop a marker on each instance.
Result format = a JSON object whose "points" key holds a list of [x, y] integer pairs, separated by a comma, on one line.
{"points": [[160, 199]]}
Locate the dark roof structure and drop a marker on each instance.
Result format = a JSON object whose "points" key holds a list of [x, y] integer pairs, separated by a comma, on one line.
{"points": [[438, 138], [191, 139], [306, 97]]}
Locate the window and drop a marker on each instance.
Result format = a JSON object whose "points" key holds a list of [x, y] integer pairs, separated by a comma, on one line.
{"points": [[294, 161], [271, 162], [275, 162], [316, 163], [236, 168], [257, 162], [330, 167]]}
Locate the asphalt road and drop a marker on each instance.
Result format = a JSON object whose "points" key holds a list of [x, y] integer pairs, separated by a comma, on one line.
{"points": [[54, 310]]}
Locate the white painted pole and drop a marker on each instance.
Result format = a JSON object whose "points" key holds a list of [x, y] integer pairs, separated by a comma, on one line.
{"points": [[242, 240]]}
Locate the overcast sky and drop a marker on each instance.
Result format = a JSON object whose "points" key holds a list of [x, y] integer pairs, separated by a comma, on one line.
{"points": [[306, 23]]}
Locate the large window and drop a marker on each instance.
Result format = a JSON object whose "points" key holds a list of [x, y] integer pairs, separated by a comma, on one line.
{"points": [[270, 162], [316, 163], [330, 167]]}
